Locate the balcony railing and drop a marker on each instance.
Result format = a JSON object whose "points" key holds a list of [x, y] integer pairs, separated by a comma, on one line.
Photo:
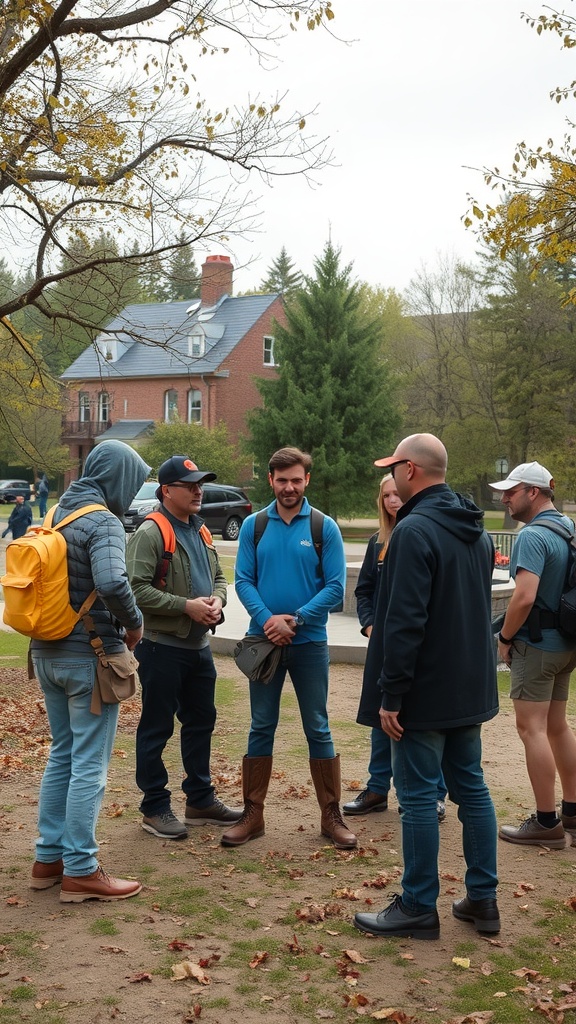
{"points": [[85, 428]]}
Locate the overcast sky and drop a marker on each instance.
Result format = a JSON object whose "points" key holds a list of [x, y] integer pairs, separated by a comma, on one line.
{"points": [[423, 91]]}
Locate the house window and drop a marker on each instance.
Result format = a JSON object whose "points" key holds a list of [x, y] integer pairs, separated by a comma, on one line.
{"points": [[269, 350], [84, 407], [197, 343], [170, 406], [103, 407], [194, 406]]}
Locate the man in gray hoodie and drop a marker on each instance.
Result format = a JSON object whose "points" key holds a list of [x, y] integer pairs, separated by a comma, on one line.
{"points": [[75, 777]]}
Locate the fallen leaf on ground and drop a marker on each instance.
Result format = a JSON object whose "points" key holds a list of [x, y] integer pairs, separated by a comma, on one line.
{"points": [[134, 979], [461, 961], [188, 969], [354, 956], [258, 959]]}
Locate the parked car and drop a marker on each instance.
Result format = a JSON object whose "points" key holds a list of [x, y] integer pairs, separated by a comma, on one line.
{"points": [[224, 508], [10, 489]]}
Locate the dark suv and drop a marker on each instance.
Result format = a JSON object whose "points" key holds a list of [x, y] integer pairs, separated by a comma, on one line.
{"points": [[224, 508], [10, 489]]}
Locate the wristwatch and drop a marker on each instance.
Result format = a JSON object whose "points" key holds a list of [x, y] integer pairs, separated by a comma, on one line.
{"points": [[298, 619]]}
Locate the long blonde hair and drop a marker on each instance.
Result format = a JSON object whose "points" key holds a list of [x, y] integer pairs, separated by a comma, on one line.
{"points": [[387, 523]]}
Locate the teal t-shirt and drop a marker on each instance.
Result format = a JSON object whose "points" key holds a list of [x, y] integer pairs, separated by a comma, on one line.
{"points": [[546, 554]]}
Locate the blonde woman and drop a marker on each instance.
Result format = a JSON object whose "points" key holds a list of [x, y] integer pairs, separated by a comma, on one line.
{"points": [[375, 796]]}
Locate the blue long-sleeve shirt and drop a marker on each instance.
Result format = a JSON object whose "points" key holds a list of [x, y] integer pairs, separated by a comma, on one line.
{"points": [[283, 574]]}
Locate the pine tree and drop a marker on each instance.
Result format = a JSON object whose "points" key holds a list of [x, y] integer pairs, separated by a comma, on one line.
{"points": [[183, 277], [333, 396], [282, 276]]}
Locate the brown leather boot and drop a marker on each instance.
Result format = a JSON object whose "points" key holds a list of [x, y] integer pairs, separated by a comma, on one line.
{"points": [[46, 874], [256, 773], [326, 779]]}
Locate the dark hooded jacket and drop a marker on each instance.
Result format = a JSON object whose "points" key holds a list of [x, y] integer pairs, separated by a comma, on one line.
{"points": [[113, 473], [431, 652]]}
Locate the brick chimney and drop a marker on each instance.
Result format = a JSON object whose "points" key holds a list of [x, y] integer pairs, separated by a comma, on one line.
{"points": [[217, 274]]}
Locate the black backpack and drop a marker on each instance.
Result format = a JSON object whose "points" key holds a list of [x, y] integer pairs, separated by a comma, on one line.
{"points": [[316, 526], [564, 618]]}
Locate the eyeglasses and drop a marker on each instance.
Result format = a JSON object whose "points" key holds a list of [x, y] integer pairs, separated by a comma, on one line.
{"points": [[401, 462], [189, 487]]}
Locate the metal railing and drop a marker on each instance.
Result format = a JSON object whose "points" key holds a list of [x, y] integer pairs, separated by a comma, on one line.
{"points": [[84, 428], [504, 541]]}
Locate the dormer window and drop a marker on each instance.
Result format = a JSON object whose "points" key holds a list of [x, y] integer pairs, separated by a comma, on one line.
{"points": [[196, 343]]}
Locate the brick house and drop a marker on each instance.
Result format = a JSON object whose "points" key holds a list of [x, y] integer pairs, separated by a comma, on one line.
{"points": [[195, 360]]}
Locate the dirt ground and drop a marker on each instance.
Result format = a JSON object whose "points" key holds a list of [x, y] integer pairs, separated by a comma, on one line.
{"points": [[225, 909]]}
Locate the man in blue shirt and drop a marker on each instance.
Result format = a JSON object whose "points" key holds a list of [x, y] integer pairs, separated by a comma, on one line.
{"points": [[541, 659], [20, 518], [288, 591]]}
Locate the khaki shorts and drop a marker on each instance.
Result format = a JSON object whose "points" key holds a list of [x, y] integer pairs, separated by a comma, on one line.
{"points": [[540, 675]]}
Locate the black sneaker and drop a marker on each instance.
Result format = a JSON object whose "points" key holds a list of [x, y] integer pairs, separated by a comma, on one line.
{"points": [[483, 914], [365, 802], [165, 826], [216, 814], [395, 920]]}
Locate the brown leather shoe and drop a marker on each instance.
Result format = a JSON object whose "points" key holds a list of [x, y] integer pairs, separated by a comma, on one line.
{"points": [[44, 875], [97, 886], [532, 833]]}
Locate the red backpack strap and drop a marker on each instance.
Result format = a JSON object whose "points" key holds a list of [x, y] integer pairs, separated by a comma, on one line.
{"points": [[169, 545]]}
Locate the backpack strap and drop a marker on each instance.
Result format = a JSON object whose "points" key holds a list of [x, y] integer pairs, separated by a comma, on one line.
{"points": [[48, 519], [260, 524], [541, 618], [169, 545]]}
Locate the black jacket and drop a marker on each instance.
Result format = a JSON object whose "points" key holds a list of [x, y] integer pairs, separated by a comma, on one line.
{"points": [[431, 651], [368, 577]]}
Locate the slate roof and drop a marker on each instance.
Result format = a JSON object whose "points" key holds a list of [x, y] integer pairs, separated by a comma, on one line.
{"points": [[126, 430], [155, 335]]}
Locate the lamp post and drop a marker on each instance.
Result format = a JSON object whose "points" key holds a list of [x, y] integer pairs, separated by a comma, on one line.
{"points": [[502, 466]]}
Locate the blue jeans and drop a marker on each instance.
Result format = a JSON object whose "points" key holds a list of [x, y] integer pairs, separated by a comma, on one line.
{"points": [[417, 760], [182, 682], [42, 505], [307, 666], [380, 766], [73, 784]]}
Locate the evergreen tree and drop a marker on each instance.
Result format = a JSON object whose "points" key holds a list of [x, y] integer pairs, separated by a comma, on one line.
{"points": [[333, 396], [183, 278], [282, 276]]}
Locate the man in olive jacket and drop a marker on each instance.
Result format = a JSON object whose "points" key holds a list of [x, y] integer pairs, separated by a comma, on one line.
{"points": [[432, 653], [176, 667]]}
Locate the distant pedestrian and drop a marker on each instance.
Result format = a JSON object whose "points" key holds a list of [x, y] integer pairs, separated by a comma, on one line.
{"points": [[20, 518], [42, 490]]}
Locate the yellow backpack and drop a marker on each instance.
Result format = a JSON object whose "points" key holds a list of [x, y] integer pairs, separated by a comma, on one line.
{"points": [[36, 593]]}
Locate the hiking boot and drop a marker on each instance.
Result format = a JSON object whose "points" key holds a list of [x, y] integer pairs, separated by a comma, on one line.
{"points": [[365, 802], [256, 772], [97, 886], [165, 826], [483, 914], [216, 814], [44, 875], [326, 778], [395, 920], [569, 826], [532, 833]]}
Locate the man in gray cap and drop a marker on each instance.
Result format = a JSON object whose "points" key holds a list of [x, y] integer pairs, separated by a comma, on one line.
{"points": [[181, 604], [541, 659]]}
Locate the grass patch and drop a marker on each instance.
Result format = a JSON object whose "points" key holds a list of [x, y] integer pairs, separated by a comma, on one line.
{"points": [[13, 650], [21, 944], [103, 926]]}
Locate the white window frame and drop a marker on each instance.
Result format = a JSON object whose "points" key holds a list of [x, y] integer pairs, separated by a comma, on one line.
{"points": [[170, 405], [196, 343], [268, 352], [103, 407], [84, 407], [194, 406]]}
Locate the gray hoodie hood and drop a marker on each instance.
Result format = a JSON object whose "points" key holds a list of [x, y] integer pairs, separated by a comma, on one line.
{"points": [[113, 474]]}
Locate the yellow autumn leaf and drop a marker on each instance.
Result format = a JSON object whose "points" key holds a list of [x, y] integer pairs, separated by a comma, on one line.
{"points": [[461, 961]]}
